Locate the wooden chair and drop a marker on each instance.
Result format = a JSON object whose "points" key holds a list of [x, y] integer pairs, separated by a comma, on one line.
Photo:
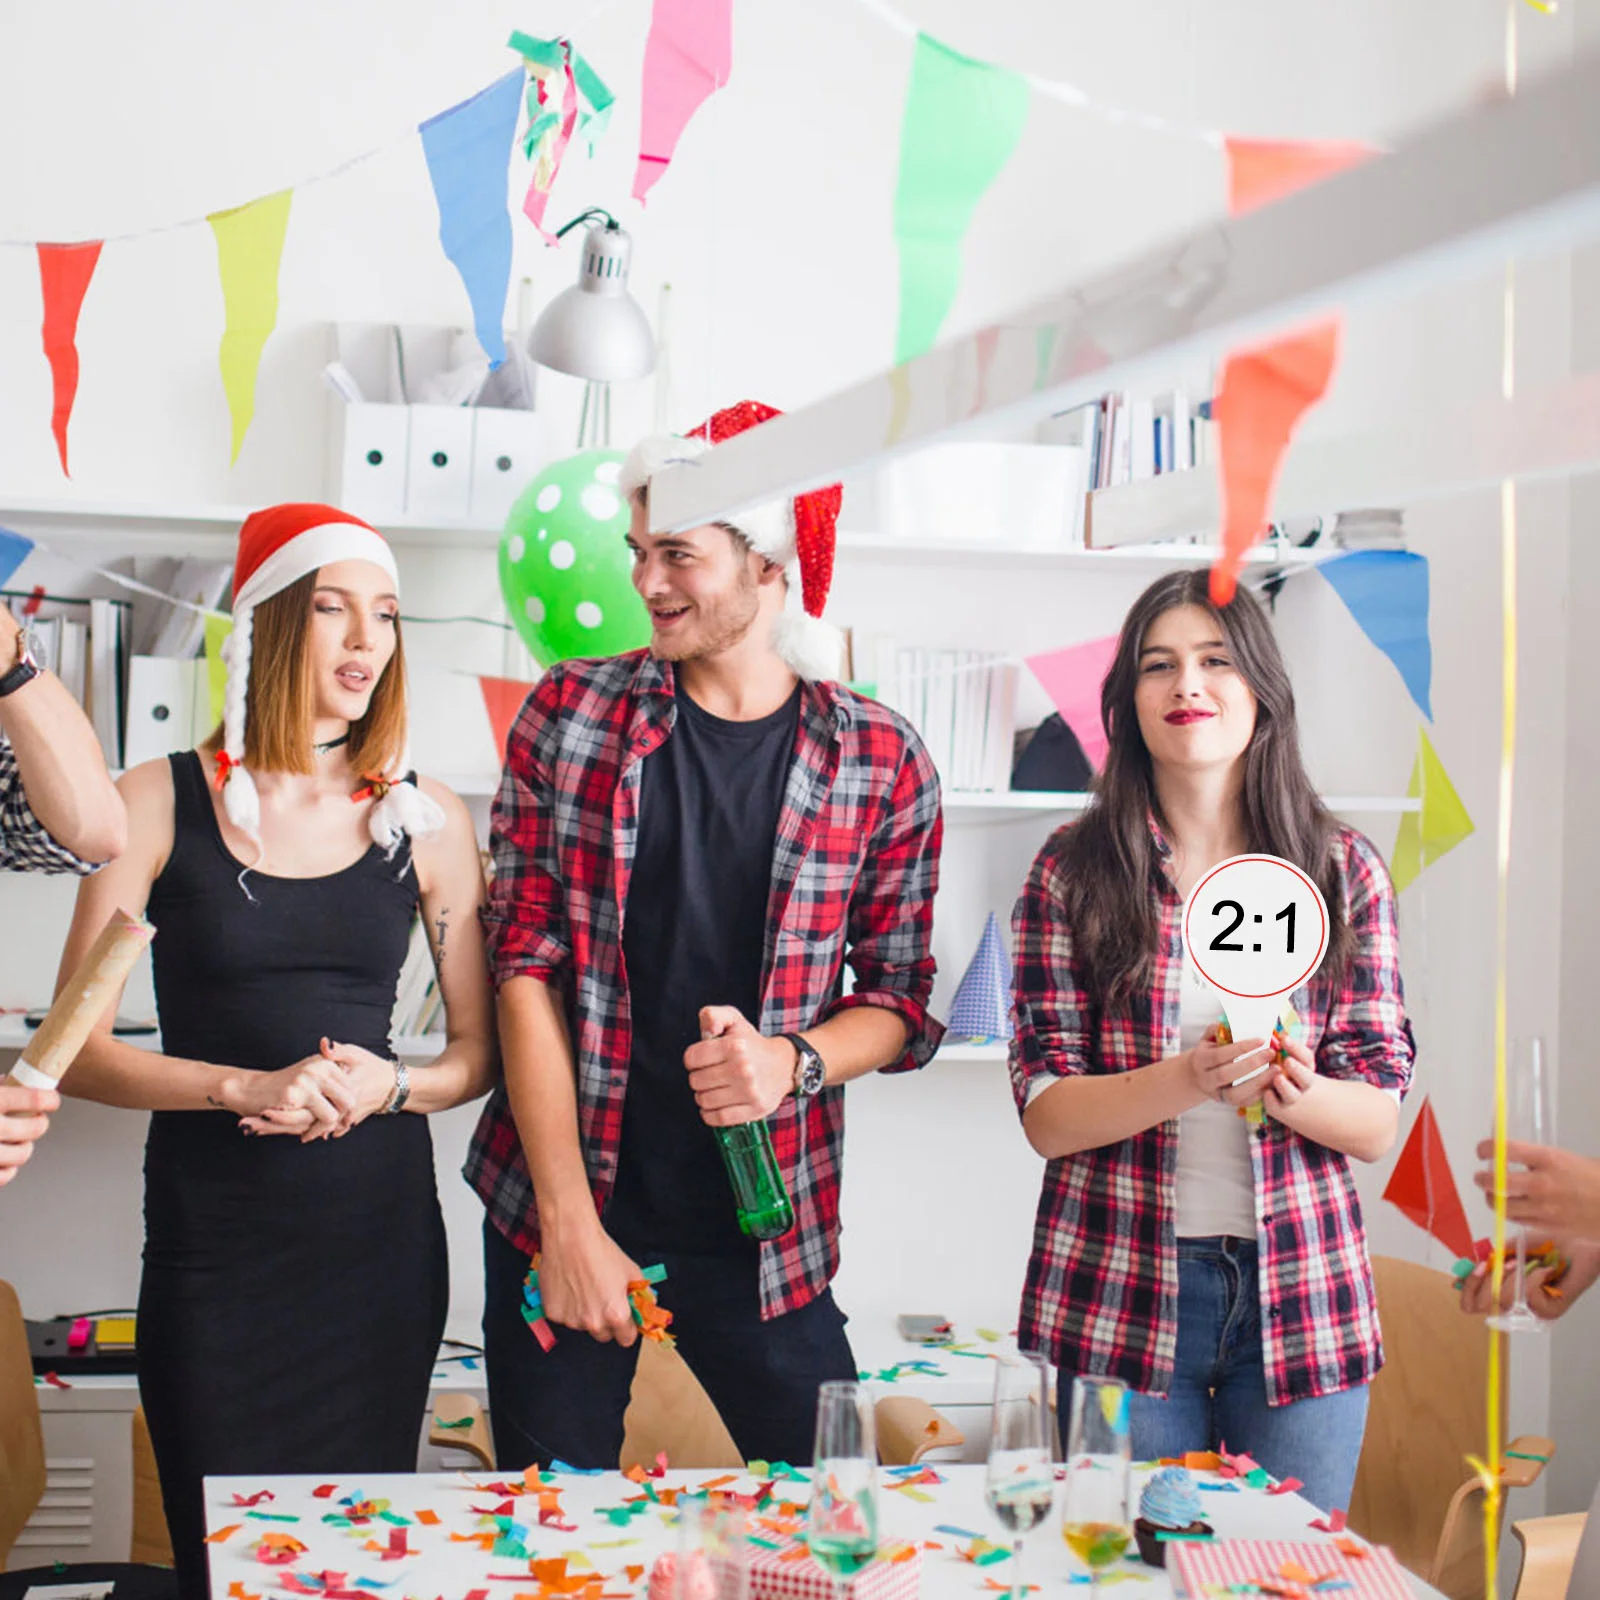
{"points": [[151, 1543], [1549, 1547], [1413, 1489], [21, 1435], [669, 1411]]}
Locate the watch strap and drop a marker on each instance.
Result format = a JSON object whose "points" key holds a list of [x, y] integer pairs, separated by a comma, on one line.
{"points": [[804, 1052]]}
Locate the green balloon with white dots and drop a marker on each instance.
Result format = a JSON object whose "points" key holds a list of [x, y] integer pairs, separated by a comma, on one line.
{"points": [[565, 568]]}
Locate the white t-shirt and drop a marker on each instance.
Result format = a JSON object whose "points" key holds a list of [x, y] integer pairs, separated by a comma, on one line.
{"points": [[1216, 1184]]}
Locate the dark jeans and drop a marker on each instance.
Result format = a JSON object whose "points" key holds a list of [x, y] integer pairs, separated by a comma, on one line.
{"points": [[568, 1404], [1219, 1385]]}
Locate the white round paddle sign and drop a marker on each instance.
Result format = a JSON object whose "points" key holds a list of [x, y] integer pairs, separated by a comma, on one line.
{"points": [[1256, 928]]}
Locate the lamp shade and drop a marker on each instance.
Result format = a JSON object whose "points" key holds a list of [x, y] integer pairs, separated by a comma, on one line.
{"points": [[596, 329]]}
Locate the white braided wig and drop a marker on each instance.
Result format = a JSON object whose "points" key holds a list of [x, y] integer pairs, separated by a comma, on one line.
{"points": [[812, 648], [403, 808]]}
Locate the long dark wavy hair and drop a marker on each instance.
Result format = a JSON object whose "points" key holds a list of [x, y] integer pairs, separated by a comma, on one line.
{"points": [[1111, 862]]}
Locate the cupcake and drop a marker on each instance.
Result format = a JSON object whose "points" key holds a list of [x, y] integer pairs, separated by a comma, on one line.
{"points": [[1169, 1503]]}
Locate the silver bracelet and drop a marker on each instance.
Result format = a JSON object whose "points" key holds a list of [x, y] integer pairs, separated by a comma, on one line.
{"points": [[402, 1089]]}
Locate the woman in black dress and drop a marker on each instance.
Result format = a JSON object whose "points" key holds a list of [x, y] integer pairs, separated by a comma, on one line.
{"points": [[295, 1282]]}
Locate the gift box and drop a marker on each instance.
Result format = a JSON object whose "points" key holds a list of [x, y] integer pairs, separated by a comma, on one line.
{"points": [[788, 1573]]}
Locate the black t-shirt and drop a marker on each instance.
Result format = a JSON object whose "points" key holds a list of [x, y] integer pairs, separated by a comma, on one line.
{"points": [[693, 935]]}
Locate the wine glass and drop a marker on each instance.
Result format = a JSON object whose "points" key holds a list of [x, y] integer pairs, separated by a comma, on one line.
{"points": [[1020, 1482], [1095, 1521], [1529, 1120], [713, 1560], [843, 1523]]}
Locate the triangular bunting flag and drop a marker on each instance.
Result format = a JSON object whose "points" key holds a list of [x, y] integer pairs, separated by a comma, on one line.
{"points": [[1387, 593], [962, 121], [1263, 395], [1423, 1186], [14, 550], [687, 58], [1265, 391], [1434, 830], [1072, 678], [1263, 170], [64, 274], [503, 699], [468, 150], [981, 1010], [249, 249]]}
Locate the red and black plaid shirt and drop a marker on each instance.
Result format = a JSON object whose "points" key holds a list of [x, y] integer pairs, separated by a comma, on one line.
{"points": [[1101, 1294], [854, 867]]}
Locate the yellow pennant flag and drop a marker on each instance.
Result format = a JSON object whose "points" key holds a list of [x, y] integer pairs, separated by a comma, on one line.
{"points": [[217, 629], [249, 248], [1437, 828]]}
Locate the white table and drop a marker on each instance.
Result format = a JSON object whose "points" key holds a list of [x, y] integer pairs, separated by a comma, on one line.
{"points": [[451, 1570]]}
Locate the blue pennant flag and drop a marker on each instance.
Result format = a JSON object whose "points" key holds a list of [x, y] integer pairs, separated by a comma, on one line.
{"points": [[469, 152], [981, 1010], [14, 550], [1387, 593]]}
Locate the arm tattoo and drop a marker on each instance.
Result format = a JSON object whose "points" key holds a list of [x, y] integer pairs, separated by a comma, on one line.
{"points": [[439, 923]]}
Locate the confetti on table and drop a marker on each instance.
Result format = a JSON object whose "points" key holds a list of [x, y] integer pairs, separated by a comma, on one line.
{"points": [[1286, 1486], [982, 1553], [254, 1499], [271, 1516], [429, 1519], [324, 1491], [1332, 1523], [993, 1338], [1220, 1488], [224, 1533], [237, 1591]]}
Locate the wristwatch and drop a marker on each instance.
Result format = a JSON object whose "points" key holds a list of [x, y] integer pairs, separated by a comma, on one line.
{"points": [[810, 1071], [27, 666]]}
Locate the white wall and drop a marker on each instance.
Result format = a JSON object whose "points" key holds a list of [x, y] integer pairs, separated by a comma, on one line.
{"points": [[773, 228]]}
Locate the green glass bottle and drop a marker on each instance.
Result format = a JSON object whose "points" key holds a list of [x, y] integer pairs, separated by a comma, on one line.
{"points": [[759, 1194]]}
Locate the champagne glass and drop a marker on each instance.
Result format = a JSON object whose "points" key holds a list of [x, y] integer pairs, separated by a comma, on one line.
{"points": [[1020, 1481], [713, 1560], [1529, 1120], [1095, 1520], [843, 1524]]}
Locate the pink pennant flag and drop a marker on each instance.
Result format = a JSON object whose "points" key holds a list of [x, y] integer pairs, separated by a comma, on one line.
{"points": [[64, 274], [1072, 678], [688, 56]]}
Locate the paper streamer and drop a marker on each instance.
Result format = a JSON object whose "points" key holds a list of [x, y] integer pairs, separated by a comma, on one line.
{"points": [[1434, 830], [502, 699], [468, 150], [565, 96], [962, 121], [1424, 1188], [249, 250], [64, 274], [687, 58], [1072, 678], [14, 550], [1387, 593]]}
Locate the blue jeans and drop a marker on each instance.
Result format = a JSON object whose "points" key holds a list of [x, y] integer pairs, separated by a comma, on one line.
{"points": [[1219, 1393]]}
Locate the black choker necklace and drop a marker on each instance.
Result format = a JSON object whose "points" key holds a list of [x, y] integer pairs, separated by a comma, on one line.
{"points": [[332, 744]]}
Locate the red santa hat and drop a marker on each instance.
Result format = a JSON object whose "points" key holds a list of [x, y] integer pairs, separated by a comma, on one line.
{"points": [[277, 547], [795, 534]]}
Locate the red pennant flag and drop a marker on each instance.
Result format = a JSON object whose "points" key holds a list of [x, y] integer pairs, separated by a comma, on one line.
{"points": [[1263, 170], [1266, 391], [502, 699], [64, 274], [1423, 1187]]}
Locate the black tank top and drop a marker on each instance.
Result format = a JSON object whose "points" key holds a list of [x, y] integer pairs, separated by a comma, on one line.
{"points": [[256, 980]]}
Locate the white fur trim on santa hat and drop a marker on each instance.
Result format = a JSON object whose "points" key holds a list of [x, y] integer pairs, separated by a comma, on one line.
{"points": [[769, 528], [315, 547], [811, 648]]}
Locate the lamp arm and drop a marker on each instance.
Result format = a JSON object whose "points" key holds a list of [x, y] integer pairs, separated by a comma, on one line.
{"points": [[589, 216]]}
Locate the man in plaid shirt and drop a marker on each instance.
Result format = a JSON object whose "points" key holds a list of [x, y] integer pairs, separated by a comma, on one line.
{"points": [[59, 812], [690, 844]]}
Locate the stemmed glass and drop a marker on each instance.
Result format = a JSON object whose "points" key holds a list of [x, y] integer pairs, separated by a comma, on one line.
{"points": [[843, 1524], [1529, 1120], [1095, 1520], [1020, 1482], [713, 1560]]}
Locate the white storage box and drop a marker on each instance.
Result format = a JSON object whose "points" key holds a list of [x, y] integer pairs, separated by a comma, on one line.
{"points": [[509, 450], [439, 464], [370, 451]]}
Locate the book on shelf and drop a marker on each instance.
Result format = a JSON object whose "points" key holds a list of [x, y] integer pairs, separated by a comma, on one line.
{"points": [[962, 704], [83, 641], [1128, 437]]}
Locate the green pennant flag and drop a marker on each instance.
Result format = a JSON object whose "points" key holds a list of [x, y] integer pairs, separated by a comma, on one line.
{"points": [[962, 121]]}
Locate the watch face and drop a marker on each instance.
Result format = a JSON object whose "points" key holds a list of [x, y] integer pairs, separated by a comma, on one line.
{"points": [[812, 1073]]}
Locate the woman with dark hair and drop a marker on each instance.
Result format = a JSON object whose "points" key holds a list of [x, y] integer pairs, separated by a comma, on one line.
{"points": [[1214, 1261], [295, 1281]]}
